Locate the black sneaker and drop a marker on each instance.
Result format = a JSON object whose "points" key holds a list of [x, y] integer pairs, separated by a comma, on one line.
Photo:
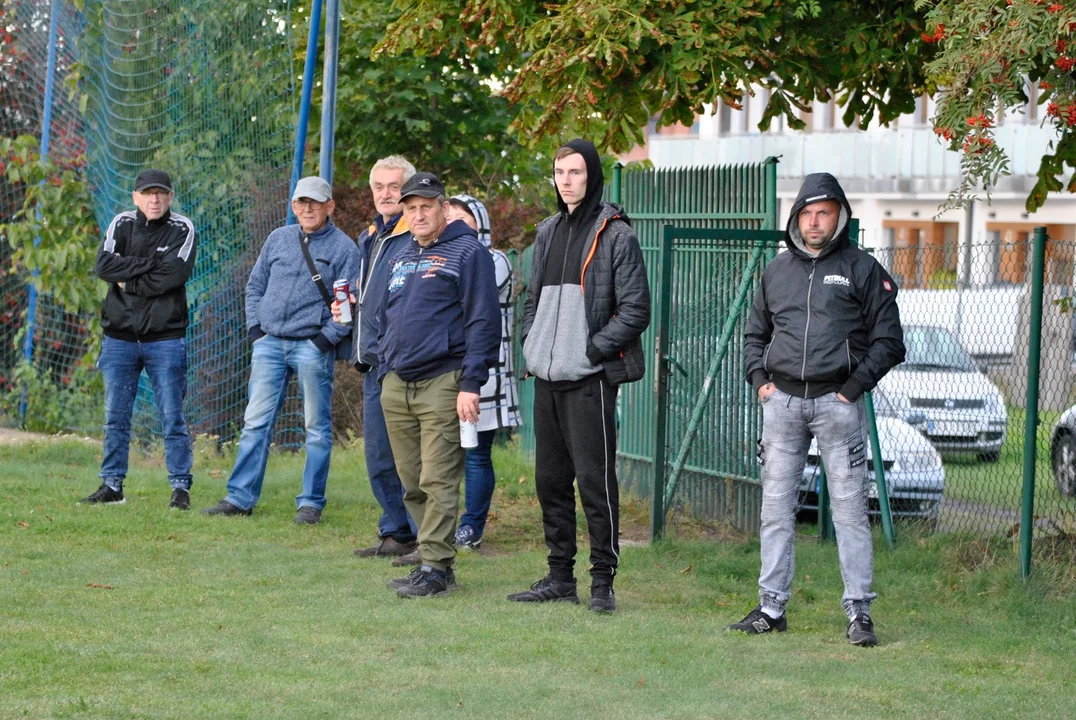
{"points": [[602, 599], [398, 583], [308, 515], [548, 590], [181, 500], [758, 622], [226, 508], [104, 495], [467, 538], [861, 631], [426, 583]]}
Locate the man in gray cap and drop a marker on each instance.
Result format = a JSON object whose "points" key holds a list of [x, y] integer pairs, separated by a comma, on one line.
{"points": [[293, 333], [146, 258]]}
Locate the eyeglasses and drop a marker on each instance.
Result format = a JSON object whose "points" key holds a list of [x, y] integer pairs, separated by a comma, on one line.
{"points": [[307, 204]]}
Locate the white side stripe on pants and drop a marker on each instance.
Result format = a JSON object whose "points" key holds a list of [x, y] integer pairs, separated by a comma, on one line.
{"points": [[608, 503]]}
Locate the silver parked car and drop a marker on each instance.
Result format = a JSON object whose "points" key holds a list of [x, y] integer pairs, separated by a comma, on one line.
{"points": [[913, 469], [940, 391], [1063, 453]]}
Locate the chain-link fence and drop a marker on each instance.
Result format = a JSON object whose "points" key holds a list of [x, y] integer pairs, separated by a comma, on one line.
{"points": [[963, 388]]}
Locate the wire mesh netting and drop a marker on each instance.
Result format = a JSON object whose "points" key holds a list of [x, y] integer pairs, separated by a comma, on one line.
{"points": [[203, 90], [954, 412]]}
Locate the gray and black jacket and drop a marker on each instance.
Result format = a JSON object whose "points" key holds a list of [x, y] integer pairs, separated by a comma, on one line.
{"points": [[825, 323], [590, 322]]}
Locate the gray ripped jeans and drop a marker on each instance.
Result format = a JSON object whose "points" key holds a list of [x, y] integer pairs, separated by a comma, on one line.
{"points": [[840, 429]]}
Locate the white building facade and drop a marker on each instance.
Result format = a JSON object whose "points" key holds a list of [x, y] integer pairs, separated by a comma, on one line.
{"points": [[896, 178]]}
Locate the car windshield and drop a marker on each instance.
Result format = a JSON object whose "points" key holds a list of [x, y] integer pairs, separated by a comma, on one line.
{"points": [[934, 348]]}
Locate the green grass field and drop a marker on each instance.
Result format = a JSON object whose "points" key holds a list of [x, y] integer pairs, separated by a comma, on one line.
{"points": [[136, 611]]}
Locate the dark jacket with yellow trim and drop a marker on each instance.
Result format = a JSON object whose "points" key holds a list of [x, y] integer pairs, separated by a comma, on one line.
{"points": [[377, 246], [615, 301]]}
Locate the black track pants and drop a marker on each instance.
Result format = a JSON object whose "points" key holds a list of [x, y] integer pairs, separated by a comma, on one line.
{"points": [[575, 439]]}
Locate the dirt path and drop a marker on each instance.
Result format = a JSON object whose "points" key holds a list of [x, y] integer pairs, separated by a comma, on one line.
{"points": [[11, 436]]}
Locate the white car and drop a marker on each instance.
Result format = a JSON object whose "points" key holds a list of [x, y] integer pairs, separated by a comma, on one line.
{"points": [[939, 390], [913, 469]]}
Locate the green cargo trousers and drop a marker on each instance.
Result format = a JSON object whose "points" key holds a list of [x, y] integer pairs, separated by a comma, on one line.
{"points": [[424, 432]]}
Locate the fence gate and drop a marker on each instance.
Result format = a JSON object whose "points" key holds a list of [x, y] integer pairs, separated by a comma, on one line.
{"points": [[707, 420]]}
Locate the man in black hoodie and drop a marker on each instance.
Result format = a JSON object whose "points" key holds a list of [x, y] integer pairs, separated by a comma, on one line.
{"points": [[588, 303], [823, 330]]}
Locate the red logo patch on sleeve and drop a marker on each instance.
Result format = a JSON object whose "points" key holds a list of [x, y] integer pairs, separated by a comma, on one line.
{"points": [[886, 284]]}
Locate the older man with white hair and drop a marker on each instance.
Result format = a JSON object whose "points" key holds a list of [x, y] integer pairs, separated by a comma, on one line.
{"points": [[293, 333]]}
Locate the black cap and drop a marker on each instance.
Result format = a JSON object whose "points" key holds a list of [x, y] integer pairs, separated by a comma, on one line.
{"points": [[153, 179], [422, 184]]}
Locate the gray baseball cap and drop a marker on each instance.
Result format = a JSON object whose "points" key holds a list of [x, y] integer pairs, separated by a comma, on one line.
{"points": [[314, 188]]}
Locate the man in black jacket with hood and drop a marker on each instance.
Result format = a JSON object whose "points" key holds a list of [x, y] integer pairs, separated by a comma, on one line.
{"points": [[823, 330], [588, 303]]}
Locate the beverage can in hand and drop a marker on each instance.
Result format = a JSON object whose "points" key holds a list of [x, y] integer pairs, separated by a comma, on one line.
{"points": [[341, 293], [468, 434]]}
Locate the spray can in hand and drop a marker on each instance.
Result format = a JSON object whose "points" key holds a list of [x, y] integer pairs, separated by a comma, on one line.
{"points": [[468, 434], [341, 293]]}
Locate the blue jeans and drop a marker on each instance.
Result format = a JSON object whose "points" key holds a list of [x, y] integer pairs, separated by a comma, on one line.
{"points": [[479, 481], [121, 364], [840, 429], [380, 466], [273, 361]]}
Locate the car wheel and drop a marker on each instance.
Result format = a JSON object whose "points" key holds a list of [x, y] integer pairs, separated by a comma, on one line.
{"points": [[1063, 463], [990, 457]]}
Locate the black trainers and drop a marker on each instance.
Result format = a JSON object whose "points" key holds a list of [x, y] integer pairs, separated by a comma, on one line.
{"points": [[226, 508], [548, 590], [467, 538], [398, 583], [602, 599], [427, 582], [103, 495], [758, 622], [181, 500], [861, 631], [308, 515]]}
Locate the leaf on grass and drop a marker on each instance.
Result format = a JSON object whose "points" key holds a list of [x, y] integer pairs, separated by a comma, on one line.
{"points": [[459, 705], [216, 473], [522, 478], [48, 518], [20, 523], [98, 586], [641, 682], [688, 569]]}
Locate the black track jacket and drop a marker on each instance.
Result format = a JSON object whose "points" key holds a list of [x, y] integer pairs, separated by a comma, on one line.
{"points": [[153, 259], [825, 323]]}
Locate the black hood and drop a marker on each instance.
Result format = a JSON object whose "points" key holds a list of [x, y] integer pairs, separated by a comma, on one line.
{"points": [[591, 205], [816, 188]]}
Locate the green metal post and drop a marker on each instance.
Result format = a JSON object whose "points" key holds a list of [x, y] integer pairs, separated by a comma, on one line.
{"points": [[770, 193], [738, 304], [1031, 427], [661, 386], [615, 189], [879, 471]]}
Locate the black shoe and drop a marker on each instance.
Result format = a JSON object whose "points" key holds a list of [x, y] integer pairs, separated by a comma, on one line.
{"points": [[548, 590], [758, 622], [427, 582], [398, 583], [103, 495], [226, 508], [861, 631], [308, 515], [181, 500], [602, 599]]}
